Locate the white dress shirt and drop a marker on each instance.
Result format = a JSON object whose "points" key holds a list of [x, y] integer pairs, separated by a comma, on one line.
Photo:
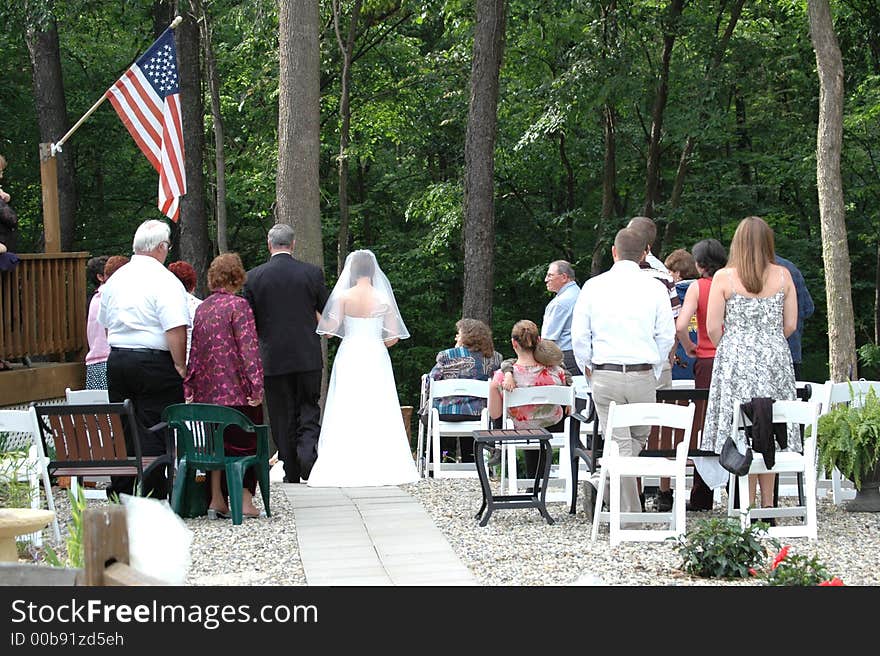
{"points": [[140, 302], [622, 317]]}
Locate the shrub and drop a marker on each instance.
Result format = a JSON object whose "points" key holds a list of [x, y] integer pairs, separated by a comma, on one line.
{"points": [[796, 569], [720, 548]]}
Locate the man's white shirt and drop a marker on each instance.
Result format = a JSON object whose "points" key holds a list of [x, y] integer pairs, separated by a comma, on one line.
{"points": [[622, 317], [140, 302]]}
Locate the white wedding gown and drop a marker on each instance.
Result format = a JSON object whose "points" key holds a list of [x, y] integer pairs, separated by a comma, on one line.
{"points": [[363, 441]]}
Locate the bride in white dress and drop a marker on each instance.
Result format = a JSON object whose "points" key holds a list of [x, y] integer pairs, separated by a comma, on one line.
{"points": [[363, 441]]}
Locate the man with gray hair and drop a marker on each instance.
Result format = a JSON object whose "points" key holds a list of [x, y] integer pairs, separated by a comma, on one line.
{"points": [[556, 325], [622, 330], [144, 308], [287, 297]]}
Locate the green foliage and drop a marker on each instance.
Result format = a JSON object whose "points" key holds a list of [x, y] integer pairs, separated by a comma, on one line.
{"points": [[720, 548], [14, 493], [849, 437], [74, 540], [797, 569]]}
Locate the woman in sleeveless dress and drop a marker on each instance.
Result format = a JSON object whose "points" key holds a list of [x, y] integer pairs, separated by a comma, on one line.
{"points": [[363, 441], [752, 309]]}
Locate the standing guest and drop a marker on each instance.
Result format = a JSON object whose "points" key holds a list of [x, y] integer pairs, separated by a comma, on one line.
{"points": [[752, 309], [8, 229], [95, 275], [99, 349], [143, 307], [683, 269], [528, 372], [622, 330], [653, 267], [556, 325], [805, 311], [473, 356], [187, 276], [287, 297], [225, 369], [709, 256]]}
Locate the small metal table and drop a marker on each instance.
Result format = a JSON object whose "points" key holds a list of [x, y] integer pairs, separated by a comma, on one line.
{"points": [[483, 440]]}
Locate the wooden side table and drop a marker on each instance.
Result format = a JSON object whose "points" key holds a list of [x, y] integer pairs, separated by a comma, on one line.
{"points": [[485, 439]]}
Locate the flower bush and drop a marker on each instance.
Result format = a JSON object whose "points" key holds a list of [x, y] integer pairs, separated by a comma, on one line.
{"points": [[789, 568]]}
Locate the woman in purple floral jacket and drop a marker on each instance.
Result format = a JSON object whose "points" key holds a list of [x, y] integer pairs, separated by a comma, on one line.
{"points": [[225, 369]]}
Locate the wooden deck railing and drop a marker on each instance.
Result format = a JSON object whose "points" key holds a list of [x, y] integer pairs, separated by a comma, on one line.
{"points": [[43, 306]]}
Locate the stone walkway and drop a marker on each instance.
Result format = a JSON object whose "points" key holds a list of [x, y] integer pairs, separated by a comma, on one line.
{"points": [[371, 536]]}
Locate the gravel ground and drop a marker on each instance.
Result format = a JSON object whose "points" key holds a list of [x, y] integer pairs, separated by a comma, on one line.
{"points": [[517, 547]]}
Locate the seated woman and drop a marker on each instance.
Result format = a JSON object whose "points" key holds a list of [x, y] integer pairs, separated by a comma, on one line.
{"points": [[225, 369], [474, 356], [528, 372]]}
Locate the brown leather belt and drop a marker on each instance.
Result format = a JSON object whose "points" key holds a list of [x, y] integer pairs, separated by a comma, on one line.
{"points": [[622, 367]]}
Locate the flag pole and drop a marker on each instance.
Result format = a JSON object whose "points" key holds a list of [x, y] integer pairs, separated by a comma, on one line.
{"points": [[56, 147]]}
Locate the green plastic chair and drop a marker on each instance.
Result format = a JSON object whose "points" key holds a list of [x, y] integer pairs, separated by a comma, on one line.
{"points": [[199, 428]]}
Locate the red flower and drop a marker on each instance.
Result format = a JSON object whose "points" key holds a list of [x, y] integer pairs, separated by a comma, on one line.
{"points": [[752, 571], [780, 556], [833, 582]]}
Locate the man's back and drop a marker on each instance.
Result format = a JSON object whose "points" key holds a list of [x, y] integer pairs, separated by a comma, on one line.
{"points": [[285, 294]]}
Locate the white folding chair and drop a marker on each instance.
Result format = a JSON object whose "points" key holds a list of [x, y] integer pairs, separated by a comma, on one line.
{"points": [[23, 435], [84, 397], [421, 465], [438, 429], [683, 383], [615, 466], [540, 395], [830, 395], [803, 413]]}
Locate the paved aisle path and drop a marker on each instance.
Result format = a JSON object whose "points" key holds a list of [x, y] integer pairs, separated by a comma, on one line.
{"points": [[371, 536]]}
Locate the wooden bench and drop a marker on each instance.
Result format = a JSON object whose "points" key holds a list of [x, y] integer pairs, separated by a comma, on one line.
{"points": [[100, 439]]}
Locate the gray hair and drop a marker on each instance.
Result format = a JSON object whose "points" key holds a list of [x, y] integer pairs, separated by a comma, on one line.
{"points": [[149, 235], [281, 236], [562, 266]]}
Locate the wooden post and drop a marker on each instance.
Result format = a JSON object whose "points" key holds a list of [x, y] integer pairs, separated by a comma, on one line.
{"points": [[51, 213], [105, 540]]}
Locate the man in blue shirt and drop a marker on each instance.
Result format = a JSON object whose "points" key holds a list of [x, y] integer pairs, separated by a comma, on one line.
{"points": [[805, 310], [556, 325]]}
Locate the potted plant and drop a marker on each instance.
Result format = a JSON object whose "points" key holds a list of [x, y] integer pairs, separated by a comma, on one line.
{"points": [[849, 439]]}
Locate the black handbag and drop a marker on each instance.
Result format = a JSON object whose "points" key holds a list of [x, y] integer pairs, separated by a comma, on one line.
{"points": [[734, 461]]}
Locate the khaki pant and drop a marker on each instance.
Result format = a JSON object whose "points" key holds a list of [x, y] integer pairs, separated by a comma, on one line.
{"points": [[620, 387]]}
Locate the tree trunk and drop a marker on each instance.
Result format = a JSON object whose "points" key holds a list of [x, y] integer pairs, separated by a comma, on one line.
{"points": [[835, 250], [690, 140], [195, 244], [51, 108], [346, 49], [652, 175], [479, 157], [296, 184], [568, 245], [609, 188], [609, 125], [213, 81]]}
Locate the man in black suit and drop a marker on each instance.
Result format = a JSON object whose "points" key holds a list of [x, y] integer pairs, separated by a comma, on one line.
{"points": [[287, 297]]}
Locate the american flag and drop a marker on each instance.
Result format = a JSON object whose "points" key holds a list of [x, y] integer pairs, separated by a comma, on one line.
{"points": [[147, 99]]}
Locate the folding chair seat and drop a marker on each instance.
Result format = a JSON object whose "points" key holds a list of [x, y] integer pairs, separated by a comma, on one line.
{"points": [[541, 395], [438, 429], [805, 414], [831, 395], [22, 436], [614, 467]]}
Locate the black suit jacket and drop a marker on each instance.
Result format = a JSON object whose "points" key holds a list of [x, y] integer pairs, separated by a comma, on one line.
{"points": [[284, 294]]}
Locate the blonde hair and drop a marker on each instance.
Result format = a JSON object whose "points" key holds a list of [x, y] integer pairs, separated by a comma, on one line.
{"points": [[751, 252], [548, 354]]}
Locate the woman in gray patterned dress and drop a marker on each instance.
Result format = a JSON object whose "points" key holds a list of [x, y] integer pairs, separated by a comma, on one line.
{"points": [[752, 309]]}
